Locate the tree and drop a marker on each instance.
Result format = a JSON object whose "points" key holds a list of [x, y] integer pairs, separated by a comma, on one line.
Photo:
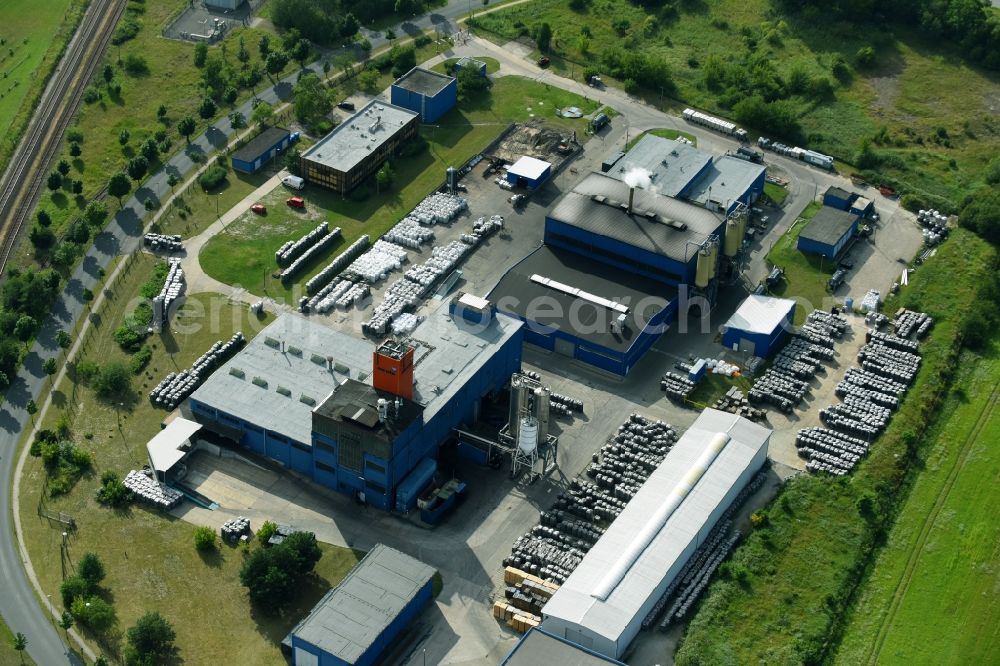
{"points": [[63, 339], [230, 95], [207, 108], [54, 181], [91, 570], [150, 638], [384, 176], [150, 150], [161, 112], [93, 612], [390, 34], [312, 99], [186, 127], [123, 137], [137, 168], [31, 408], [4, 381], [118, 186], [264, 47], [63, 167], [42, 238], [543, 37], [981, 216], [108, 73], [263, 114], [49, 367], [66, 621], [75, 150], [25, 328], [101, 661], [172, 181], [276, 61], [65, 254], [200, 54], [77, 187], [271, 575], [368, 80], [204, 538], [44, 218], [95, 213], [471, 83], [113, 379], [237, 120], [300, 53], [214, 75], [20, 644], [243, 55]]}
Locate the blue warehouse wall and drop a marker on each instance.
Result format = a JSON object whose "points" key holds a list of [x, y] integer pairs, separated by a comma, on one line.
{"points": [[620, 255], [832, 200], [252, 166], [828, 251], [429, 108]]}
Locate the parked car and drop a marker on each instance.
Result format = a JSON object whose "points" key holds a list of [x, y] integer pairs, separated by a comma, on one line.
{"points": [[296, 202], [846, 263], [544, 61], [346, 106], [259, 209]]}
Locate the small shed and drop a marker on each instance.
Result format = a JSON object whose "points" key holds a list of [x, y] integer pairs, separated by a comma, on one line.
{"points": [[759, 325], [354, 623], [170, 446], [425, 92], [838, 198], [862, 207], [529, 172], [475, 65], [828, 232], [263, 147]]}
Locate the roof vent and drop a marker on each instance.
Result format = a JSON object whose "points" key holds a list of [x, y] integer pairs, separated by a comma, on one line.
{"points": [[294, 351], [307, 400], [283, 391], [236, 372], [260, 381], [272, 342]]}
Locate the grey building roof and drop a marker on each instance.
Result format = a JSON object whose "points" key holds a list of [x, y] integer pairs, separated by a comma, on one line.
{"points": [[760, 314], [643, 546], [359, 136], [539, 648], [597, 204], [726, 180], [355, 404], [291, 353], [423, 81], [838, 192], [349, 618], [448, 351], [260, 143], [518, 293], [671, 164], [828, 225]]}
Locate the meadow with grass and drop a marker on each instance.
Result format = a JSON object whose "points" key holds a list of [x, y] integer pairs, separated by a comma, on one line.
{"points": [[900, 105]]}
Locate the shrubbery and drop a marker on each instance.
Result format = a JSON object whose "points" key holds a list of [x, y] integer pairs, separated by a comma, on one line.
{"points": [[212, 177], [113, 492], [64, 462], [272, 574]]}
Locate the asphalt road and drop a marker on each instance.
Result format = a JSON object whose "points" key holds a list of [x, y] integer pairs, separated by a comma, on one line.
{"points": [[18, 603]]}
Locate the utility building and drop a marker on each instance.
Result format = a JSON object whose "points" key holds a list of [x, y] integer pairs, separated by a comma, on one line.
{"points": [[354, 623], [357, 147], [602, 604], [828, 232], [261, 149], [477, 66], [759, 326], [425, 92], [529, 172], [356, 417]]}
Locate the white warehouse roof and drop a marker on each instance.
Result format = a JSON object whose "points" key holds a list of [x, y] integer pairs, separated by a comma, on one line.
{"points": [[760, 314], [167, 448], [602, 604], [529, 167]]}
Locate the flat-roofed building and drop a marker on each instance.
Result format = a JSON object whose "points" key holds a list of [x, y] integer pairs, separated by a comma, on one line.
{"points": [[425, 92], [357, 147]]}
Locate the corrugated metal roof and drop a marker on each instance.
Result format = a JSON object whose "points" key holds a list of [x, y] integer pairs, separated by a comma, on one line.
{"points": [[725, 181], [540, 648], [647, 227], [671, 164], [349, 618], [261, 143], [574, 601], [829, 225], [165, 448], [760, 314], [529, 167]]}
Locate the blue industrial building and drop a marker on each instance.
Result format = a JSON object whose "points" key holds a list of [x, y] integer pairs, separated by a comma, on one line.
{"points": [[529, 172], [539, 647], [425, 92], [677, 169], [471, 63], [355, 622], [319, 402], [841, 199], [262, 148], [759, 326], [828, 232]]}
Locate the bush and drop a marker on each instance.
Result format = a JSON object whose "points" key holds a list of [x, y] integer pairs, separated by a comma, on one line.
{"points": [[865, 57], [113, 492], [149, 640], [273, 574], [128, 338], [140, 360], [266, 531], [212, 178], [72, 587], [204, 539], [136, 65], [112, 380], [91, 570], [128, 28], [94, 613]]}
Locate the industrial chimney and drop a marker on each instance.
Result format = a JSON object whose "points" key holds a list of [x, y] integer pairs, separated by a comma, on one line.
{"points": [[631, 197]]}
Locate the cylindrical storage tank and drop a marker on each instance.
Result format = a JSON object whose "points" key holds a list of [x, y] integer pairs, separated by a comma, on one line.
{"points": [[517, 400], [542, 413], [527, 437], [705, 270], [733, 237]]}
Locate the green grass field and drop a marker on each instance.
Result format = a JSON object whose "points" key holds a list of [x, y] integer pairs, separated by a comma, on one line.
{"points": [[8, 655], [776, 193], [665, 134], [931, 596], [32, 35], [244, 253], [915, 87], [172, 80], [806, 275]]}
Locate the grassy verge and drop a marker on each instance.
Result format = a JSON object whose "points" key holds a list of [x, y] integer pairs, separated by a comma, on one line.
{"points": [[713, 386], [663, 133], [34, 37], [806, 275], [941, 559], [776, 193], [8, 655], [244, 253], [804, 568]]}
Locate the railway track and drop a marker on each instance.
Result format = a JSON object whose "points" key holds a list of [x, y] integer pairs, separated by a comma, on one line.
{"points": [[23, 179]]}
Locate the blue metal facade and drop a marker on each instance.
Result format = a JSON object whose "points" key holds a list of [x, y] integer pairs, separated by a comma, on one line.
{"points": [[430, 107], [620, 255], [765, 344], [825, 249], [377, 478], [599, 356], [839, 199], [753, 192], [253, 164], [383, 641], [530, 183]]}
